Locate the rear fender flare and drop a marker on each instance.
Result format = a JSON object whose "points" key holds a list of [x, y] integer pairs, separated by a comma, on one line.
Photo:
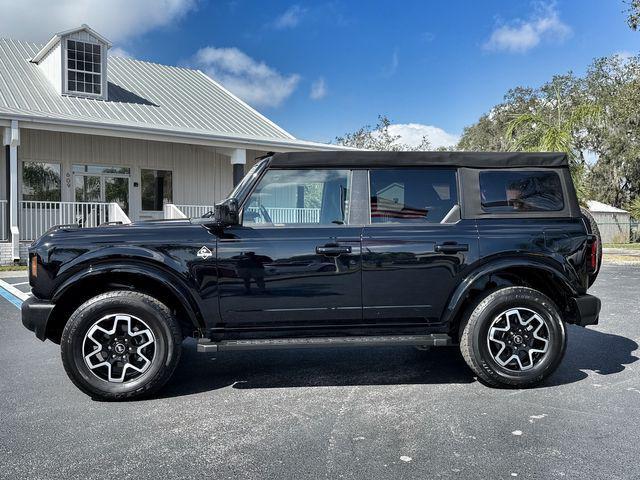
{"points": [[457, 299]]}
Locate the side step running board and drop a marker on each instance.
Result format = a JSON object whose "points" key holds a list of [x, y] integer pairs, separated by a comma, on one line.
{"points": [[434, 340]]}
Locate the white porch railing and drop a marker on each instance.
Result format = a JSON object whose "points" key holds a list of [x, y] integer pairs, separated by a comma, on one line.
{"points": [[192, 211], [172, 212], [116, 214], [278, 215], [291, 215], [37, 217], [3, 220]]}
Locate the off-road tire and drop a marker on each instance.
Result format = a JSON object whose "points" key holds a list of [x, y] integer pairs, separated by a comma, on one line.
{"points": [[475, 327], [160, 321], [593, 229]]}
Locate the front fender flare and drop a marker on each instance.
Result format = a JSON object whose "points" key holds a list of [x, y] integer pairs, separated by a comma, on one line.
{"points": [[140, 269]]}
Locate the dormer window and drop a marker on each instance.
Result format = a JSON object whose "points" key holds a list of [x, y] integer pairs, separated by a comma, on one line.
{"points": [[75, 63], [84, 68]]}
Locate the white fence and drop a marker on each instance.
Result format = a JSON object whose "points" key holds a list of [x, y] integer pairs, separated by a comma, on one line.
{"points": [[193, 211], [3, 220], [172, 212], [278, 215], [38, 217], [290, 215]]}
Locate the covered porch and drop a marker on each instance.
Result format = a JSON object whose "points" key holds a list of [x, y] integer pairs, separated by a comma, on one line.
{"points": [[50, 178]]}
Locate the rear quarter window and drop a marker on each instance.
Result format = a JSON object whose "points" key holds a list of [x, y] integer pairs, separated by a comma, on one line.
{"points": [[506, 191]]}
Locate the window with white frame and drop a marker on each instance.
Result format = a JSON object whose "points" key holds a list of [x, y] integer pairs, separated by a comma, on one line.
{"points": [[84, 68], [157, 189], [41, 181]]}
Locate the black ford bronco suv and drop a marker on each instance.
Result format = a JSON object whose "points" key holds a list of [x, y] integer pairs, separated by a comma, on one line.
{"points": [[488, 251]]}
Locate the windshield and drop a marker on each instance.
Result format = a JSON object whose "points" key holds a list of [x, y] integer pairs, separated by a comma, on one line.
{"points": [[243, 188]]}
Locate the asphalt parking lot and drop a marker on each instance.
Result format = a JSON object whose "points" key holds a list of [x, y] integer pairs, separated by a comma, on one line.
{"points": [[339, 413]]}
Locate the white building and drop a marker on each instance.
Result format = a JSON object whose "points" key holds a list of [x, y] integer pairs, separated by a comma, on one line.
{"points": [[614, 223], [91, 138]]}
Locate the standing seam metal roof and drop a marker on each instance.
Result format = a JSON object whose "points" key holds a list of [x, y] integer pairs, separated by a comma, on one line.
{"points": [[140, 94]]}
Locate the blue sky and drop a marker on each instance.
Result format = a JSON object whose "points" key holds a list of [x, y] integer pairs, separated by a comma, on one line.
{"points": [[320, 69]]}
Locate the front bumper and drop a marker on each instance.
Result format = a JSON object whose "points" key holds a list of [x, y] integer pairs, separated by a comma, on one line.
{"points": [[35, 315], [587, 309]]}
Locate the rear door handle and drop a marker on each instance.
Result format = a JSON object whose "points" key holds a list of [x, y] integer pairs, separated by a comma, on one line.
{"points": [[451, 247], [333, 250]]}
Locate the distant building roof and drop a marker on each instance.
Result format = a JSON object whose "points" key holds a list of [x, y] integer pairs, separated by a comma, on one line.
{"points": [[595, 206], [142, 96]]}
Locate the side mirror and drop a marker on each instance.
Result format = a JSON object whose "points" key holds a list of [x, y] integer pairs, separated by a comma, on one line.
{"points": [[226, 213]]}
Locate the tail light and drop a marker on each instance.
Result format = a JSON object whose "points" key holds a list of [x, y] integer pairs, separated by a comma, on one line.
{"points": [[34, 266], [593, 255]]}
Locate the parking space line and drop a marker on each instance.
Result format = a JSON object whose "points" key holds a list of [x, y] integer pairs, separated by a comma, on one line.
{"points": [[20, 283], [16, 302], [11, 293]]}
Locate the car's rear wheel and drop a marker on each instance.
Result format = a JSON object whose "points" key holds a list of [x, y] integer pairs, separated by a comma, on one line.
{"points": [[514, 337], [121, 345]]}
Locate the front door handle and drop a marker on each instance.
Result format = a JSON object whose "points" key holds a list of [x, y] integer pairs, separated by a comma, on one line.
{"points": [[451, 247], [333, 250]]}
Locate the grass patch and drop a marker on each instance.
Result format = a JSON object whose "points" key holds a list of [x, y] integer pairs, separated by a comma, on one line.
{"points": [[12, 268], [621, 259], [630, 246]]}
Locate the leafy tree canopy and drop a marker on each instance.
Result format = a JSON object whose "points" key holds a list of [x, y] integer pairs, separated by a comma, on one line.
{"points": [[598, 113], [633, 14], [379, 138]]}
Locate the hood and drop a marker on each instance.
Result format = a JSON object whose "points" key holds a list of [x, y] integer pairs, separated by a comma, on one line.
{"points": [[110, 233]]}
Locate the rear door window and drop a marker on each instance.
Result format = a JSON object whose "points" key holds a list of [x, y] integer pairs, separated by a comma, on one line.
{"points": [[412, 195], [505, 191]]}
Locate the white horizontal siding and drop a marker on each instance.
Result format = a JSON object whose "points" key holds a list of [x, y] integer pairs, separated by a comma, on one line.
{"points": [[201, 175], [51, 66]]}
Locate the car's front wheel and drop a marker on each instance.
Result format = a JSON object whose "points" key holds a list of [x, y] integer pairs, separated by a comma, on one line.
{"points": [[121, 345], [514, 337]]}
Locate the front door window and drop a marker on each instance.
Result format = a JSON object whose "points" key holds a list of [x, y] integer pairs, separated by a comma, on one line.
{"points": [[285, 197]]}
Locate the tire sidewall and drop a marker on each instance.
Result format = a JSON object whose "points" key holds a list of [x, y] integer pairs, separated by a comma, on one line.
{"points": [[497, 304], [92, 311]]}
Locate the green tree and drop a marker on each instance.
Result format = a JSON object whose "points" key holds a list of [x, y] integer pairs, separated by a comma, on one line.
{"points": [[633, 14], [634, 208], [556, 124], [379, 138], [614, 84], [488, 134]]}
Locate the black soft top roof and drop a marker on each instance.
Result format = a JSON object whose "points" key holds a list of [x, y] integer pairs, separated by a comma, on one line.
{"points": [[358, 158]]}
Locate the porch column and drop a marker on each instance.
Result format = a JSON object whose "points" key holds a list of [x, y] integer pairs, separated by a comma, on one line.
{"points": [[238, 160], [12, 140]]}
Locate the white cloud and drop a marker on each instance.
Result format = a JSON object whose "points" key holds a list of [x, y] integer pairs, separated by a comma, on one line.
{"points": [[119, 52], [412, 134], [290, 18], [520, 36], [118, 20], [318, 89], [253, 81], [625, 55]]}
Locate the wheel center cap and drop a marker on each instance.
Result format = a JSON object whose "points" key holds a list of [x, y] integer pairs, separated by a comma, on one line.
{"points": [[119, 348], [517, 339]]}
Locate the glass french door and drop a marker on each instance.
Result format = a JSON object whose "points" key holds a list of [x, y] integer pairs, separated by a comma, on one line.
{"points": [[102, 184]]}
